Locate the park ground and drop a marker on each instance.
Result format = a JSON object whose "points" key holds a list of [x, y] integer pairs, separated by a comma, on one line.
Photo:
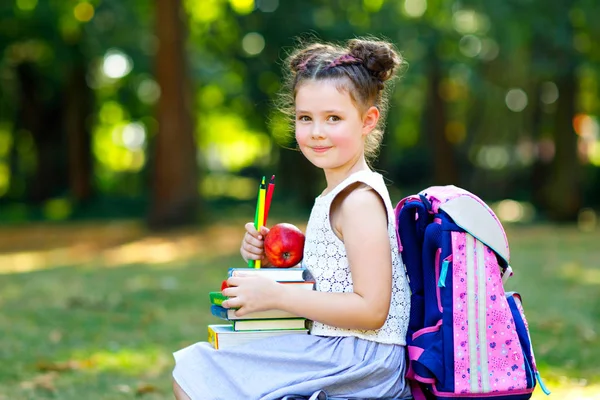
{"points": [[94, 310]]}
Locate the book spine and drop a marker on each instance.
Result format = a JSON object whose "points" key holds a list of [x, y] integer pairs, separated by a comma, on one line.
{"points": [[213, 339], [295, 274], [219, 312], [217, 298]]}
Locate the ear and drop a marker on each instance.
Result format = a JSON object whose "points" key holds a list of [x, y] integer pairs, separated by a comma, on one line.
{"points": [[370, 119]]}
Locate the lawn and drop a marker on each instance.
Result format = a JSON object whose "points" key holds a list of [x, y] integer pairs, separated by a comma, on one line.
{"points": [[94, 311]]}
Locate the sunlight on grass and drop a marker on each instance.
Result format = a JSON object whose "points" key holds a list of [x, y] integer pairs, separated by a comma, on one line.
{"points": [[150, 362], [128, 246], [568, 389], [584, 276]]}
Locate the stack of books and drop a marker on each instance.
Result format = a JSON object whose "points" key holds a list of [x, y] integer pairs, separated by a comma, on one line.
{"points": [[261, 324]]}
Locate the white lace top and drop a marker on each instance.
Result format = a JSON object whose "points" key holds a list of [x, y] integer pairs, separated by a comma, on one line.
{"points": [[325, 257]]}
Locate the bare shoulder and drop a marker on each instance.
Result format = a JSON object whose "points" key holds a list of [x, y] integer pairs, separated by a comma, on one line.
{"points": [[358, 206], [359, 197]]}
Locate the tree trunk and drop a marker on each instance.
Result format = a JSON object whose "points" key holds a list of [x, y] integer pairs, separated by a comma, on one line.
{"points": [[175, 174], [540, 168], [445, 171], [42, 118], [78, 108], [563, 193]]}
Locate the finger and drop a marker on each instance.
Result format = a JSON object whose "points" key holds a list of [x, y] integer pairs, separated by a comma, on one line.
{"points": [[233, 302], [230, 292], [252, 230], [252, 241], [240, 312], [252, 249], [237, 280], [251, 256], [264, 230]]}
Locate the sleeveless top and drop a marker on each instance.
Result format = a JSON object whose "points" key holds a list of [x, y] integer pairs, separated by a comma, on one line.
{"points": [[325, 257]]}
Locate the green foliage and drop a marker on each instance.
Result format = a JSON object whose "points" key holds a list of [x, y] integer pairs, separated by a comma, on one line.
{"points": [[481, 50]]}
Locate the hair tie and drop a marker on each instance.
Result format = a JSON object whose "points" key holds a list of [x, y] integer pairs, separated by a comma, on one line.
{"points": [[345, 59], [304, 64]]}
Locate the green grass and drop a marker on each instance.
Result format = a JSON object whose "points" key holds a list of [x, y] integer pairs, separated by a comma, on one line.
{"points": [[102, 321]]}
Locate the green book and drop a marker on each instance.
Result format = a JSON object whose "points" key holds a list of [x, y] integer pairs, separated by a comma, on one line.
{"points": [[217, 298]]}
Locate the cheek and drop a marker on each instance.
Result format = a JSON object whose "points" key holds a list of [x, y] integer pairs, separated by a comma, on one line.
{"points": [[341, 139], [302, 134]]}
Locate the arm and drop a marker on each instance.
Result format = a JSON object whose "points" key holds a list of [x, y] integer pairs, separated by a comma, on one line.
{"points": [[363, 224]]}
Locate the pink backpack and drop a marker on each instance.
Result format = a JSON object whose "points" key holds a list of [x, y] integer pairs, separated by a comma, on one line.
{"points": [[467, 337]]}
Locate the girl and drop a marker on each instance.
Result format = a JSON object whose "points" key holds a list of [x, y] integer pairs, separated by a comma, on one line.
{"points": [[360, 308]]}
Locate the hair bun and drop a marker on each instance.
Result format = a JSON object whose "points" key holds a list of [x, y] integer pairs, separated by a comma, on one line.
{"points": [[380, 58]]}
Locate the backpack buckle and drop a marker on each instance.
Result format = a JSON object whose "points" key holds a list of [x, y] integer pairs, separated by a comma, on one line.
{"points": [[426, 202]]}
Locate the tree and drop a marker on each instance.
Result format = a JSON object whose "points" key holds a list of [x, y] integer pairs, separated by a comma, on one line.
{"points": [[174, 180]]}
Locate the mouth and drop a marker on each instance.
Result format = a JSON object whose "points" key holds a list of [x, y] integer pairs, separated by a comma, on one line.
{"points": [[320, 149]]}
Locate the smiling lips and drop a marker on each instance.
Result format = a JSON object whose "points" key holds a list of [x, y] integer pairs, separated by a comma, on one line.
{"points": [[320, 149]]}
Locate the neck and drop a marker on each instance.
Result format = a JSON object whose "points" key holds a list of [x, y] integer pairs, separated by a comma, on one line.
{"points": [[335, 176]]}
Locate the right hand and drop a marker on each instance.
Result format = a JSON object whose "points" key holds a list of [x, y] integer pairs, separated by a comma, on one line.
{"points": [[253, 244]]}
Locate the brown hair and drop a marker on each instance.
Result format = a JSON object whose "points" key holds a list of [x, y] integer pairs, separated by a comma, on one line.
{"points": [[362, 67]]}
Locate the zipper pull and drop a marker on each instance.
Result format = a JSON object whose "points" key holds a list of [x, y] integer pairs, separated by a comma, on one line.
{"points": [[542, 386], [443, 273]]}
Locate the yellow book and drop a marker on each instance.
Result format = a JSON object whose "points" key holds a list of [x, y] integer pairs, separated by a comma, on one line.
{"points": [[223, 336], [212, 338]]}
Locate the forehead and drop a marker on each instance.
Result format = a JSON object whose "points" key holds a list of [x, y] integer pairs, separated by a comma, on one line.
{"points": [[317, 94]]}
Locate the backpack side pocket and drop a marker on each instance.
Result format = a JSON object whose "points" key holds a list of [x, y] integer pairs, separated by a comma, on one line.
{"points": [[522, 328]]}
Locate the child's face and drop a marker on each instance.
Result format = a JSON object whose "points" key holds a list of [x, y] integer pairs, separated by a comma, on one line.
{"points": [[330, 129]]}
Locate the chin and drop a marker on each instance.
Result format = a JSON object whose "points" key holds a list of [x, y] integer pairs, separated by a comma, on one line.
{"points": [[324, 164]]}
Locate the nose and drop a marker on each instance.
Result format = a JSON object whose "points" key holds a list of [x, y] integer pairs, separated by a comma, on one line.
{"points": [[316, 131]]}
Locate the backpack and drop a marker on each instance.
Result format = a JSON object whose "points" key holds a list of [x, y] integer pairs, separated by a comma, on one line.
{"points": [[466, 337]]}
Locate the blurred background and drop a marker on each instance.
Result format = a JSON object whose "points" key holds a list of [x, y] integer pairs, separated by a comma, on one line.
{"points": [[162, 110], [133, 136]]}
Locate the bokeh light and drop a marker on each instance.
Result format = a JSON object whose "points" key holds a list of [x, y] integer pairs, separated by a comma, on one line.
{"points": [[516, 100], [489, 49], [253, 43], [83, 12], [148, 91], [242, 6], [493, 157], [512, 211], [414, 8], [470, 45], [267, 6], [549, 92], [116, 64], [134, 136], [26, 5]]}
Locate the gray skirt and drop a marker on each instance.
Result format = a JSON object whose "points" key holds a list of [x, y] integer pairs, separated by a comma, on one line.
{"points": [[293, 365]]}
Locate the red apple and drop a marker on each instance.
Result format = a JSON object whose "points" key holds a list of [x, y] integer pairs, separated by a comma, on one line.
{"points": [[284, 245]]}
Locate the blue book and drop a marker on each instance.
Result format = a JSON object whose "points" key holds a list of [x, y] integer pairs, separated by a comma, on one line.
{"points": [[228, 314]]}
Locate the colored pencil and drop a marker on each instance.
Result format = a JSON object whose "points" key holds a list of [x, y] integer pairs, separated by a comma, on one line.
{"points": [[270, 189], [256, 223], [261, 211]]}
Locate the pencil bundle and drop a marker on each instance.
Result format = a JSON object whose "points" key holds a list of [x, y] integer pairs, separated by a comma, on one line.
{"points": [[263, 204]]}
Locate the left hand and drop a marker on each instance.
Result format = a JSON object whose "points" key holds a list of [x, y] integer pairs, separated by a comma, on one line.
{"points": [[250, 293]]}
